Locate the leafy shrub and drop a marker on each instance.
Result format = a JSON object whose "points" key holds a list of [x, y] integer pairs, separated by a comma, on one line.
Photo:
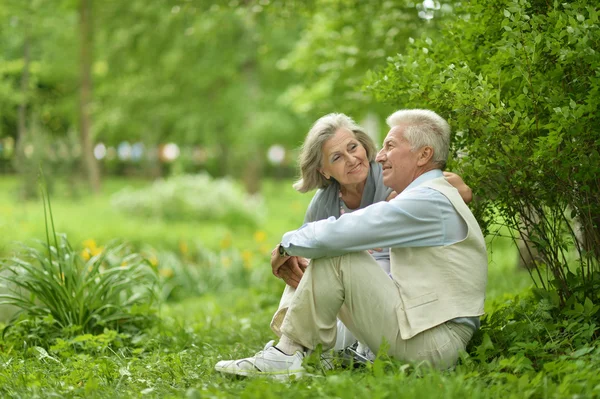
{"points": [[518, 81], [53, 284], [533, 343], [57, 284], [533, 326], [205, 271], [185, 198]]}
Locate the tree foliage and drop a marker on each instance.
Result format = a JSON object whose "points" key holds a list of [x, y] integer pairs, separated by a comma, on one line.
{"points": [[343, 41], [230, 77], [194, 73], [518, 81]]}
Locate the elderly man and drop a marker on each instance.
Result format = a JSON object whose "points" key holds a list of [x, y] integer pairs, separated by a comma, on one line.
{"points": [[429, 308]]}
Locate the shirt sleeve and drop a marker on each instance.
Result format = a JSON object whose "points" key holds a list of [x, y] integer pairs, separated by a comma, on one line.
{"points": [[414, 219]]}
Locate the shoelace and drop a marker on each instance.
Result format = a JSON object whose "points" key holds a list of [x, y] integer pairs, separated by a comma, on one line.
{"points": [[266, 348]]}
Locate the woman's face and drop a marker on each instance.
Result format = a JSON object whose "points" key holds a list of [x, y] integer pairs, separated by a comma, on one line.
{"points": [[344, 158]]}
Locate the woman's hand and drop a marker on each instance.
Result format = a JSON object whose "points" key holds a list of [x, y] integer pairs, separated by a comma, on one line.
{"points": [[465, 191]]}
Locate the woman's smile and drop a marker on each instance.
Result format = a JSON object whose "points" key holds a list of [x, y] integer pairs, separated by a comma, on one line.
{"points": [[355, 169]]}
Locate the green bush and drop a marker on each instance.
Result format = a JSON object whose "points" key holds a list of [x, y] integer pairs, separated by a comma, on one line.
{"points": [[54, 287], [57, 285], [531, 343], [186, 198], [519, 82]]}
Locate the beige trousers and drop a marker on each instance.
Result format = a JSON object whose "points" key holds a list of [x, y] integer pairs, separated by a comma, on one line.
{"points": [[356, 290]]}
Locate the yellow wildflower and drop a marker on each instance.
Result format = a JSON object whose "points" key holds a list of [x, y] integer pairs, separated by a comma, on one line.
{"points": [[153, 260], [90, 249], [166, 272], [247, 259], [226, 241], [183, 247], [260, 236], [96, 251], [90, 243]]}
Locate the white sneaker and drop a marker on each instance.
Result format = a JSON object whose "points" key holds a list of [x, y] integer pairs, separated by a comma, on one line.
{"points": [[364, 350], [357, 355], [328, 359], [269, 362]]}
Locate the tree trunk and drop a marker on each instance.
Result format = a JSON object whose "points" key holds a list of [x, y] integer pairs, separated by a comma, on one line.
{"points": [[24, 166], [254, 164], [22, 122], [253, 171], [85, 29]]}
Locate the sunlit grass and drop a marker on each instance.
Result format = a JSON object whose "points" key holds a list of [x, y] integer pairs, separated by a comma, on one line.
{"points": [[505, 279]]}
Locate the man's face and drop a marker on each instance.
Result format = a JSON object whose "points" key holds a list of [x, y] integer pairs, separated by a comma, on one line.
{"points": [[399, 163]]}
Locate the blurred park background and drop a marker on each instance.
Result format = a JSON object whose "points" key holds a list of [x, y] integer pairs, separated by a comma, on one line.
{"points": [[105, 96], [173, 126], [151, 89]]}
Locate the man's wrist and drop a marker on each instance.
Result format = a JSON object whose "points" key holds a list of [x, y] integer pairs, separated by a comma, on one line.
{"points": [[282, 252]]}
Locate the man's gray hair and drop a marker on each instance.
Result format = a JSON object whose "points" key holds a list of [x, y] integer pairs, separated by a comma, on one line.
{"points": [[424, 128], [311, 152]]}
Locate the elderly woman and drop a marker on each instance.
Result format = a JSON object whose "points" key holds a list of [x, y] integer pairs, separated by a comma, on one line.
{"points": [[338, 159]]}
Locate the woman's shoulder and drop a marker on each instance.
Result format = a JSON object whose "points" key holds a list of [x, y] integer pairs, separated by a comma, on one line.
{"points": [[318, 198], [319, 203]]}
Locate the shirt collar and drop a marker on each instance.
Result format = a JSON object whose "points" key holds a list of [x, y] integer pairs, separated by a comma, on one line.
{"points": [[432, 174]]}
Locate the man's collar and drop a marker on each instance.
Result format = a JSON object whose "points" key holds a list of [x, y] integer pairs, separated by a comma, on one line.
{"points": [[432, 174]]}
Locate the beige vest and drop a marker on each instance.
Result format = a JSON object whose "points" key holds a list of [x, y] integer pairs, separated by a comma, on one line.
{"points": [[441, 283]]}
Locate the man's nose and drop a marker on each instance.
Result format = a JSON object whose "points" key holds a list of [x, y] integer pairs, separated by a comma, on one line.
{"points": [[380, 156]]}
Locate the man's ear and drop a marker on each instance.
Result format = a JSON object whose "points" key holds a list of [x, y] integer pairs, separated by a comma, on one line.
{"points": [[425, 155]]}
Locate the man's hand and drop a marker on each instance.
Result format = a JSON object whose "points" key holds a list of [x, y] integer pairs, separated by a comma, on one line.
{"points": [[292, 270], [465, 191]]}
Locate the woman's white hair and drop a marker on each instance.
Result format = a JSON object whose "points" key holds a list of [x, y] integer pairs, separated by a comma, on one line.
{"points": [[311, 152], [424, 128]]}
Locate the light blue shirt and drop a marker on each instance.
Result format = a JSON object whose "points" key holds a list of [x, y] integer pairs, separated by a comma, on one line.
{"points": [[417, 217]]}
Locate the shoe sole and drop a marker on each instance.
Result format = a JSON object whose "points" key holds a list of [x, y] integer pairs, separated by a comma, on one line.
{"points": [[279, 375]]}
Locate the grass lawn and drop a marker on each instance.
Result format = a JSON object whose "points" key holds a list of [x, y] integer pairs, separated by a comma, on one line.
{"points": [[93, 217], [176, 357]]}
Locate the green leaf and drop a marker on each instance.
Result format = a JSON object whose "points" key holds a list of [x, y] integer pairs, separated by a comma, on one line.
{"points": [[582, 351]]}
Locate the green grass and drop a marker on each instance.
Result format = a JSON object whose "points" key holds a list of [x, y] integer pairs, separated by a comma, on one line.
{"points": [[93, 217], [176, 358]]}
